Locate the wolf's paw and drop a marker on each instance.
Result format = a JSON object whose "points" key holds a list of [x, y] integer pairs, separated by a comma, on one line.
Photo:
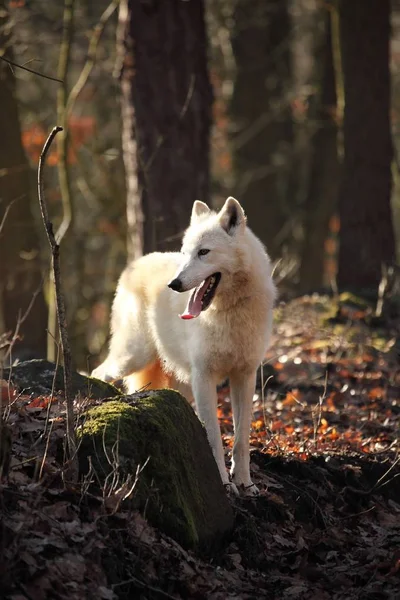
{"points": [[245, 486], [250, 490], [231, 489], [101, 373]]}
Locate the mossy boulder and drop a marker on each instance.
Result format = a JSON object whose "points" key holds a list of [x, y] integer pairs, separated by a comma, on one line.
{"points": [[354, 301], [40, 377], [179, 489]]}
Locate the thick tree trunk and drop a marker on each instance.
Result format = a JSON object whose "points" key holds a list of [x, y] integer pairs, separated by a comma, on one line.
{"points": [[261, 116], [324, 173], [366, 237], [20, 274], [167, 102]]}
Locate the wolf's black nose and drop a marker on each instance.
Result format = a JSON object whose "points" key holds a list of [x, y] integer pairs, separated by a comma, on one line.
{"points": [[176, 285]]}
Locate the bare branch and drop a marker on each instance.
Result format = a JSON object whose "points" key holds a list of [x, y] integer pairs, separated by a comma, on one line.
{"points": [[62, 163], [20, 321], [14, 64], [62, 96], [91, 57], [62, 321], [7, 210]]}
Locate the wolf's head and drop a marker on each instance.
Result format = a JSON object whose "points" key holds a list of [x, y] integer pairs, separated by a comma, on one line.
{"points": [[212, 252]]}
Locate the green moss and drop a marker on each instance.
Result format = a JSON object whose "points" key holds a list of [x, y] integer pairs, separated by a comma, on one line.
{"points": [[160, 427], [107, 389], [352, 300], [381, 342]]}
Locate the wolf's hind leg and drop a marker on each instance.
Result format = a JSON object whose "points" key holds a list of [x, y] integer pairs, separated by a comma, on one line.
{"points": [[131, 346], [152, 377], [127, 355]]}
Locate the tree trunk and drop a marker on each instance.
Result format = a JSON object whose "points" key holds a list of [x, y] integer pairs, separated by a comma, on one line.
{"points": [[261, 116], [166, 108], [366, 236], [324, 173], [20, 273]]}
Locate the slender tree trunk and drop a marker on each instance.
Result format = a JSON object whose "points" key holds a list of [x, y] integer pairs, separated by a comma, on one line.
{"points": [[261, 115], [20, 273], [63, 171], [166, 108], [366, 237], [323, 184]]}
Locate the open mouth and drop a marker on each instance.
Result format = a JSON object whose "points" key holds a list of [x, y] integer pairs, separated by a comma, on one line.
{"points": [[201, 297]]}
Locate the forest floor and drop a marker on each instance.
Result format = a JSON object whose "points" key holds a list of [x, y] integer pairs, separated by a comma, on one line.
{"points": [[325, 455]]}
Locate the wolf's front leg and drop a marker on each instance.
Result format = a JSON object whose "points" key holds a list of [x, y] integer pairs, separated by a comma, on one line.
{"points": [[242, 391], [204, 391]]}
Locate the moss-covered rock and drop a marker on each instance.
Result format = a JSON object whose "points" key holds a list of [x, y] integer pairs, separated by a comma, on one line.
{"points": [[40, 377], [179, 488]]}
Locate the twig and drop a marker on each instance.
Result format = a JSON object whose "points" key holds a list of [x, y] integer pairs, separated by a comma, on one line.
{"points": [[14, 64], [62, 321], [21, 319], [162, 138], [91, 56], [53, 385], [7, 210], [378, 483], [316, 412], [145, 586], [46, 449], [263, 386]]}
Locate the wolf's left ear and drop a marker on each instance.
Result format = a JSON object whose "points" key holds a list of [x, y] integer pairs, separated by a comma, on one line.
{"points": [[199, 209], [231, 216]]}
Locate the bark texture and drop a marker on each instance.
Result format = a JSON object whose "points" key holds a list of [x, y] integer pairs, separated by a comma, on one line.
{"points": [[260, 111], [366, 237], [166, 109], [20, 269], [323, 185]]}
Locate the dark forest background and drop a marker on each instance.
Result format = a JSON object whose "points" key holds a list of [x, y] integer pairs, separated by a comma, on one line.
{"points": [[291, 106]]}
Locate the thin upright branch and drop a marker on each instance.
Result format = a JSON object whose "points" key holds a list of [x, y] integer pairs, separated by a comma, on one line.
{"points": [[20, 321], [91, 56], [62, 163], [7, 210], [62, 321], [337, 64], [62, 96]]}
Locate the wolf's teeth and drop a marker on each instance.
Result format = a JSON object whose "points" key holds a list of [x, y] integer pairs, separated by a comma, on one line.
{"points": [[210, 285]]}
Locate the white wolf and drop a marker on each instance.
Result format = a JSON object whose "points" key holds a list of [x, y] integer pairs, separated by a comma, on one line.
{"points": [[219, 329]]}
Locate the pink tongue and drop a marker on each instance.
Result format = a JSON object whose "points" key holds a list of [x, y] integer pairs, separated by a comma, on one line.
{"points": [[193, 308]]}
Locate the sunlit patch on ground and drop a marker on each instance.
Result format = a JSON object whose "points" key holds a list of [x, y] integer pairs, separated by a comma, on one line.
{"points": [[330, 385]]}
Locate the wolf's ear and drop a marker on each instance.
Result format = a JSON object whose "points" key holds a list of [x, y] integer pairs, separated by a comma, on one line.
{"points": [[231, 216], [199, 209]]}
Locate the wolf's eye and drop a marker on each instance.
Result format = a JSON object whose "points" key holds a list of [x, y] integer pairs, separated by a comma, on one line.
{"points": [[203, 252]]}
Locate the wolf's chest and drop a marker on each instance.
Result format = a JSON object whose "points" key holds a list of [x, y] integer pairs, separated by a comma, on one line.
{"points": [[235, 342]]}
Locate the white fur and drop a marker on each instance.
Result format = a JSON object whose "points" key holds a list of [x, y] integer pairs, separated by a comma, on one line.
{"points": [[229, 339]]}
